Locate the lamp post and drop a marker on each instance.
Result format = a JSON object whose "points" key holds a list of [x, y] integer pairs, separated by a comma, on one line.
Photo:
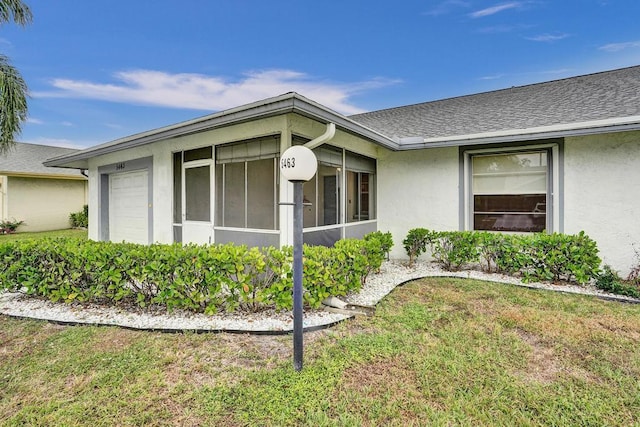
{"points": [[298, 165]]}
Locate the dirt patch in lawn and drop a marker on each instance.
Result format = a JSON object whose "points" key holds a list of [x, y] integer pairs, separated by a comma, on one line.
{"points": [[214, 357], [389, 383], [21, 338], [543, 365]]}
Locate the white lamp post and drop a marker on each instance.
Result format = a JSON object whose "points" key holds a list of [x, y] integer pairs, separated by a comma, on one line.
{"points": [[298, 165]]}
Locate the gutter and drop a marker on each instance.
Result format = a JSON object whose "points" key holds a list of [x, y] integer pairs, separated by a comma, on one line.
{"points": [[283, 104], [623, 124], [44, 175]]}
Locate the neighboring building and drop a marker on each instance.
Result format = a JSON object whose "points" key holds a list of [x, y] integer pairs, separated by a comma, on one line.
{"points": [[559, 156], [43, 197]]}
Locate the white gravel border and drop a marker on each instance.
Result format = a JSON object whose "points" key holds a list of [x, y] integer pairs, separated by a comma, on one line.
{"points": [[392, 274]]}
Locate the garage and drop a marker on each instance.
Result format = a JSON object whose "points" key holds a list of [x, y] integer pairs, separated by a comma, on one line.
{"points": [[129, 207]]}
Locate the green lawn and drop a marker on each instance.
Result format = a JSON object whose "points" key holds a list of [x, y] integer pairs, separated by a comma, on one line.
{"points": [[437, 352], [41, 235]]}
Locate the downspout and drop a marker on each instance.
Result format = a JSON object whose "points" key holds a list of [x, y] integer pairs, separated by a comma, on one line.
{"points": [[84, 172], [325, 137]]}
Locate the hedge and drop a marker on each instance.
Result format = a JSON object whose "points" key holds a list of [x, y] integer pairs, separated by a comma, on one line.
{"points": [[207, 278], [534, 257]]}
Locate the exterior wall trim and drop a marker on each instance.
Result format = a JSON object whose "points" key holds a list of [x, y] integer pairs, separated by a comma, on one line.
{"points": [[555, 185]]}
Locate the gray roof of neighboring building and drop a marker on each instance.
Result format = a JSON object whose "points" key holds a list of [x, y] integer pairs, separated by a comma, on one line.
{"points": [[26, 159], [588, 98]]}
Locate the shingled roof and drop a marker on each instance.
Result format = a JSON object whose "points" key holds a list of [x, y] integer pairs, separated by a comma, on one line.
{"points": [[593, 97], [26, 160]]}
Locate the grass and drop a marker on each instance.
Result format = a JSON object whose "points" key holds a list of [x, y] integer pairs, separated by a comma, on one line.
{"points": [[71, 232], [437, 352]]}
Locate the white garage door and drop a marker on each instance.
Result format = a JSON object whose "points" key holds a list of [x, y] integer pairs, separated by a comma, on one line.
{"points": [[128, 207]]}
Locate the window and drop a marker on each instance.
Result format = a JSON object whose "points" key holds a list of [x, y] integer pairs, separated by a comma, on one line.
{"points": [[197, 193], [177, 188], [246, 190], [323, 190], [323, 193], [510, 191], [360, 187], [359, 202]]}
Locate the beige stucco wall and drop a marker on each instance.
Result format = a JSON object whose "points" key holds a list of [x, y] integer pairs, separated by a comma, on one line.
{"points": [[421, 188], [43, 204], [417, 189], [161, 152], [601, 182], [601, 194]]}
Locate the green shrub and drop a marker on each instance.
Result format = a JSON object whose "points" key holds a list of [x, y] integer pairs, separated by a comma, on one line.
{"points": [[277, 279], [8, 226], [204, 279], [385, 240], [556, 257], [634, 274], [416, 242], [609, 280], [454, 249], [540, 256], [339, 270], [510, 256], [499, 252], [80, 219]]}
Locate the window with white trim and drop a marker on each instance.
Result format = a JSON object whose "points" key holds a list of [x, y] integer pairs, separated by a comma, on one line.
{"points": [[510, 191]]}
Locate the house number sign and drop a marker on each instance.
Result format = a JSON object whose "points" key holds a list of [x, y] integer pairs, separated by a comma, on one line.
{"points": [[298, 163], [120, 166]]}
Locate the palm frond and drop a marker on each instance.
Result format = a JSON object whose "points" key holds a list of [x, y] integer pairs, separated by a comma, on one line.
{"points": [[15, 11], [13, 103]]}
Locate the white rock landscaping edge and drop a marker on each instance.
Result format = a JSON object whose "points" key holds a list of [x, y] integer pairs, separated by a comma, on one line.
{"points": [[392, 274]]}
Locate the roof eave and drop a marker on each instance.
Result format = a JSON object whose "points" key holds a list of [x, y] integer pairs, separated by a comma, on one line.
{"points": [[518, 135], [287, 103], [43, 175]]}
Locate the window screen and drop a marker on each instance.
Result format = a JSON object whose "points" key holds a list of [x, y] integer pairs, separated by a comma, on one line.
{"points": [[510, 191]]}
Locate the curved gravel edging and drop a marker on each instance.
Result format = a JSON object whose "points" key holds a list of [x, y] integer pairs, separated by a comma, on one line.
{"points": [[391, 275]]}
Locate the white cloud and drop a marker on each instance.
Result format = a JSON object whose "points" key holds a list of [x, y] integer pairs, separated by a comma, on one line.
{"points": [[492, 77], [67, 124], [496, 9], [212, 93], [548, 37], [616, 47], [446, 7], [498, 29], [34, 121]]}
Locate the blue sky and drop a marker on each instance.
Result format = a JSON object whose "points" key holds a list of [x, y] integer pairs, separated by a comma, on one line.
{"points": [[99, 70]]}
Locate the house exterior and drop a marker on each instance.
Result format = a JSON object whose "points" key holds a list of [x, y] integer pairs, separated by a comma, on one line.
{"points": [[559, 156], [43, 197]]}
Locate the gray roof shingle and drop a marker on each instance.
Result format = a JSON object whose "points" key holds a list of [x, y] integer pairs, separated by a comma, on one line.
{"points": [[599, 96], [25, 159]]}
